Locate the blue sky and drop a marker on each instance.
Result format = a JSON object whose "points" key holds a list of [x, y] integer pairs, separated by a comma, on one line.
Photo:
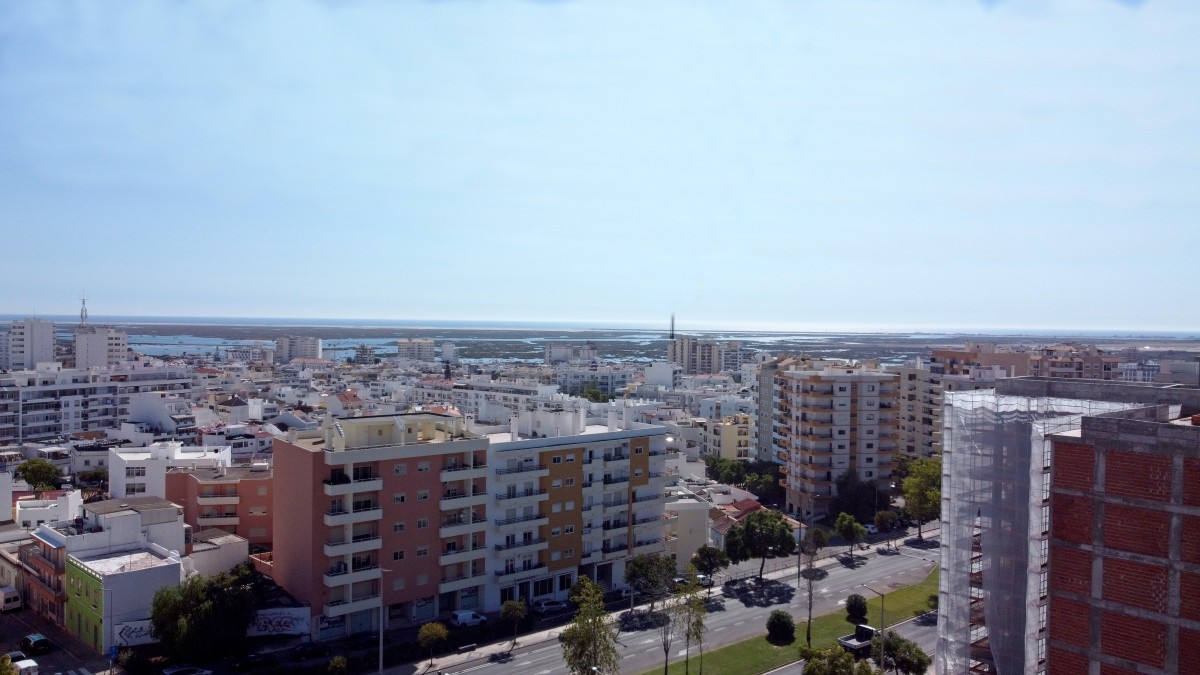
{"points": [[893, 164]]}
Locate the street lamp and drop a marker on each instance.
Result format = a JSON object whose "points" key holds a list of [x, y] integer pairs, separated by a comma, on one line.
{"points": [[882, 622], [381, 594]]}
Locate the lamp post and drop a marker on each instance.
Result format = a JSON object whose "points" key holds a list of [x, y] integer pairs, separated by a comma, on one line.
{"points": [[382, 570], [882, 623]]}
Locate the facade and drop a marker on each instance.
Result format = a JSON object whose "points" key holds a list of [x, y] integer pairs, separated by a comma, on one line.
{"points": [[921, 385], [29, 342], [100, 347], [417, 349], [765, 396], [1052, 494], [578, 378], [695, 356], [731, 437], [54, 403], [462, 517], [1078, 362], [828, 422], [565, 352], [663, 374], [293, 347], [237, 499], [134, 472], [109, 588]]}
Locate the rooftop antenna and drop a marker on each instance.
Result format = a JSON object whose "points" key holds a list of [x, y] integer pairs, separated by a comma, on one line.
{"points": [[672, 325], [83, 311]]}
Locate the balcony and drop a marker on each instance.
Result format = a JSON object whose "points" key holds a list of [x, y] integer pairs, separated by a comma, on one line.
{"points": [[650, 498], [359, 544], [464, 472], [459, 583], [649, 546], [461, 556], [615, 480], [456, 527], [362, 514], [615, 459], [218, 500], [615, 505], [533, 520], [615, 525], [540, 469], [217, 519], [527, 544], [510, 498], [344, 607], [615, 552], [512, 576], [344, 486], [346, 577], [454, 500]]}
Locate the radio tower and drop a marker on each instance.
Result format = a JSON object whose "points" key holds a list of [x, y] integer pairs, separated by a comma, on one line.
{"points": [[672, 325], [83, 312]]}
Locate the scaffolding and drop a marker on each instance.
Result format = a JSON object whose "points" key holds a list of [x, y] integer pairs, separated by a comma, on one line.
{"points": [[995, 527]]}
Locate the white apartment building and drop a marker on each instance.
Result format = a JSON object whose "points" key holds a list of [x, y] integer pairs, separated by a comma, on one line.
{"points": [[138, 472], [575, 379], [29, 342], [566, 352], [30, 512], [416, 349], [54, 403], [828, 422], [664, 374], [293, 347], [100, 347]]}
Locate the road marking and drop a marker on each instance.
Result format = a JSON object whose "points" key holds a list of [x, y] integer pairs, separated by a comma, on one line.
{"points": [[545, 672], [526, 663], [841, 602], [715, 630], [629, 656], [646, 642], [682, 652], [739, 623]]}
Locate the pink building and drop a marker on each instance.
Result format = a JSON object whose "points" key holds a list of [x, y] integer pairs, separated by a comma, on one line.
{"points": [[236, 499]]}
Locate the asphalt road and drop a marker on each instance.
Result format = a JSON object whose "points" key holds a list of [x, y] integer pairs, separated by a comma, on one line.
{"points": [[739, 611]]}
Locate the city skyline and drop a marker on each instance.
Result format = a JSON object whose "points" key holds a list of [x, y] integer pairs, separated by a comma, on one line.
{"points": [[780, 166]]}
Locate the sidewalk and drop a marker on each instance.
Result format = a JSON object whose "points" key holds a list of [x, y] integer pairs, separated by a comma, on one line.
{"points": [[549, 637]]}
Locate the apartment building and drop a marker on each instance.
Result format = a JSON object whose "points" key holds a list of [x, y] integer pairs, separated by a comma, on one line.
{"points": [[1079, 362], [919, 408], [294, 347], [416, 349], [730, 437], [566, 352], [575, 379], [28, 343], [707, 357], [236, 499], [830, 421], [134, 472], [100, 347], [54, 402], [1067, 529], [425, 513]]}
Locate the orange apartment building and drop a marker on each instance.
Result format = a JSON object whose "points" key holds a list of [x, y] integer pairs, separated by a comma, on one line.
{"points": [[421, 514], [237, 499]]}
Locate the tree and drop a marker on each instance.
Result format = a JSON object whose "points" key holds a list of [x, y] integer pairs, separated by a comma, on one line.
{"points": [[668, 627], [923, 491], [893, 652], [857, 497], [833, 661], [815, 539], [207, 617], [886, 522], [856, 608], [337, 666], [850, 530], [762, 533], [6, 665], [514, 611], [650, 573], [430, 635], [692, 611], [40, 474], [590, 641], [708, 560], [781, 627]]}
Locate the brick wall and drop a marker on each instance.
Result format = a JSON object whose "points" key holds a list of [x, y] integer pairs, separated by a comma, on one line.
{"points": [[1189, 596], [1191, 539], [1189, 651], [1074, 466], [1071, 519], [1191, 482], [1136, 530], [1068, 622], [1062, 662], [1070, 570], [1128, 637], [1136, 584], [1137, 474]]}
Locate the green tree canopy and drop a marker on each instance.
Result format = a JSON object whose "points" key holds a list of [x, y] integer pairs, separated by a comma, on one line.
{"points": [[762, 533], [833, 660], [590, 640], [886, 522], [651, 574], [708, 560], [430, 635], [897, 653], [6, 665], [40, 474], [206, 617], [923, 491], [857, 497], [514, 611], [849, 529]]}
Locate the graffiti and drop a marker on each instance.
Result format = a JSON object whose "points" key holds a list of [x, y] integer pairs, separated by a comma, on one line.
{"points": [[280, 621], [135, 633]]}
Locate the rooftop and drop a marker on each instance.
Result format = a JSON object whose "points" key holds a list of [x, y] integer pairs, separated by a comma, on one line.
{"points": [[135, 504], [119, 563]]}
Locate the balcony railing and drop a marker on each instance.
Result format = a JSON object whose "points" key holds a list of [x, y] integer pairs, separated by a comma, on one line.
{"points": [[464, 467], [511, 572], [614, 480], [518, 495], [519, 519], [524, 468], [520, 544]]}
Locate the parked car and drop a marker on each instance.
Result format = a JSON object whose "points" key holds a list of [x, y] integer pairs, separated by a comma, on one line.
{"points": [[704, 580], [252, 661], [549, 606], [36, 643], [467, 618], [871, 529], [15, 656], [627, 593], [310, 650], [183, 669]]}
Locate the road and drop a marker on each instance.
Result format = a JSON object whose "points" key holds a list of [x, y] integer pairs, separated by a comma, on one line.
{"points": [[738, 611]]}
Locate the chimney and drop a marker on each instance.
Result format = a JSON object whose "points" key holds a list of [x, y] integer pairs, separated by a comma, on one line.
{"points": [[513, 426], [612, 419]]}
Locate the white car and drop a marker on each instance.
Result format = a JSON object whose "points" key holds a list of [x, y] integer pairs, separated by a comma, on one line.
{"points": [[463, 618], [871, 529], [549, 606]]}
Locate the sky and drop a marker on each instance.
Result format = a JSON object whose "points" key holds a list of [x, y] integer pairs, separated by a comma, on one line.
{"points": [[743, 164]]}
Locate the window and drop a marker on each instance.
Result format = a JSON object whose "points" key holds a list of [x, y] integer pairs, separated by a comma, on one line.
{"points": [[262, 490], [422, 579], [398, 584], [135, 471], [422, 495], [556, 508], [637, 473], [637, 451], [422, 523], [543, 587], [555, 555], [397, 555], [134, 488], [570, 506], [257, 511], [569, 553], [557, 459], [555, 532], [422, 551], [570, 482], [398, 526], [570, 529], [556, 483], [564, 582], [422, 467], [570, 458], [400, 497], [400, 469]]}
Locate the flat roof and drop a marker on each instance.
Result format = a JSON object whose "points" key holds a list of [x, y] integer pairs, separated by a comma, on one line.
{"points": [[118, 563], [137, 504]]}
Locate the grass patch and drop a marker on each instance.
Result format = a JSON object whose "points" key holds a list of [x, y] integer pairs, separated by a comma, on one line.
{"points": [[757, 655]]}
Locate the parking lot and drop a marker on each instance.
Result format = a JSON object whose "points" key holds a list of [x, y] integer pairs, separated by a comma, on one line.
{"points": [[68, 657]]}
